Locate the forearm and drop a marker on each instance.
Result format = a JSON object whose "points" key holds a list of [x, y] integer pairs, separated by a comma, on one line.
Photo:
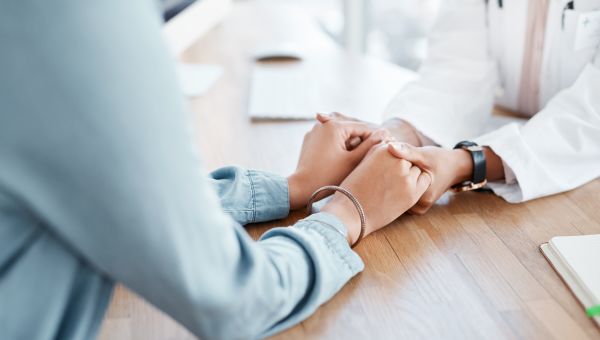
{"points": [[541, 155], [256, 289], [333, 264]]}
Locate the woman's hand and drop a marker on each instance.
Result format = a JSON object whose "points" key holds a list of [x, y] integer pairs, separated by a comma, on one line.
{"points": [[325, 158], [384, 185], [399, 129], [447, 168], [403, 131]]}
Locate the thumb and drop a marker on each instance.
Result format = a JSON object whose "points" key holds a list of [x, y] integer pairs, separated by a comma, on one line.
{"points": [[353, 143], [407, 152], [323, 117], [376, 137], [423, 182]]}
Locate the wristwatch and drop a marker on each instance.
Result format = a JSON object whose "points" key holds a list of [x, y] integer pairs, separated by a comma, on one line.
{"points": [[478, 179]]}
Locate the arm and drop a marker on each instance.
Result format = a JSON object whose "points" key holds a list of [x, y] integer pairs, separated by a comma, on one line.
{"points": [[256, 196], [555, 151], [441, 105], [102, 160]]}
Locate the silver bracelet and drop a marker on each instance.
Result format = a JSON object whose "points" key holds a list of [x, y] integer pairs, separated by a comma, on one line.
{"points": [[359, 208]]}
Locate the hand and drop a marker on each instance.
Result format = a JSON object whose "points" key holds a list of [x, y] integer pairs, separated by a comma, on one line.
{"points": [[325, 117], [384, 185], [352, 143], [447, 168], [402, 131], [399, 129], [325, 158]]}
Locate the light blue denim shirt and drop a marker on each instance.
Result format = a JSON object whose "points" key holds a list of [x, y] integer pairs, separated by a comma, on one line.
{"points": [[100, 183]]}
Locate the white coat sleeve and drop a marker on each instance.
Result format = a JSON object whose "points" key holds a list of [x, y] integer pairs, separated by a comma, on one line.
{"points": [[558, 149], [453, 98]]}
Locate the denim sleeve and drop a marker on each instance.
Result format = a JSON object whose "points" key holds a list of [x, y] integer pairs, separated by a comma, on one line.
{"points": [[251, 196], [103, 162]]}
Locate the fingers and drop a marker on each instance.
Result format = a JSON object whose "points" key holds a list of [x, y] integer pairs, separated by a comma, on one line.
{"points": [[418, 209], [399, 150], [353, 142], [353, 129], [407, 168], [323, 117], [413, 173], [427, 198], [353, 132], [347, 122], [408, 152], [423, 182], [375, 138]]}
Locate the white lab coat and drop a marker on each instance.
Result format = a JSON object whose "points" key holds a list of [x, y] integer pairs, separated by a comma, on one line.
{"points": [[475, 60]]}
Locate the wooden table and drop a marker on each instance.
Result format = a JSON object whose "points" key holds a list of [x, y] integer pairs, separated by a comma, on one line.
{"points": [[469, 269]]}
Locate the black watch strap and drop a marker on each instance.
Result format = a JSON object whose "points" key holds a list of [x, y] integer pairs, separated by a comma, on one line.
{"points": [[478, 157]]}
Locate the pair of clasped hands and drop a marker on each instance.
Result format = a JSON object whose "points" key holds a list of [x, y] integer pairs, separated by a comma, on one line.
{"points": [[364, 160]]}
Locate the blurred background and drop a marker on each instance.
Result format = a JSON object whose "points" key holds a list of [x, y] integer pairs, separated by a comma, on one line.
{"points": [[393, 30]]}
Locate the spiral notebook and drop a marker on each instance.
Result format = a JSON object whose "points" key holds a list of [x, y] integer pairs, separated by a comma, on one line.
{"points": [[577, 261]]}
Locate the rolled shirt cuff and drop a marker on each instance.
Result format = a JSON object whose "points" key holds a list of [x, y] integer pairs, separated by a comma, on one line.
{"points": [[270, 196], [337, 242], [520, 167], [335, 233]]}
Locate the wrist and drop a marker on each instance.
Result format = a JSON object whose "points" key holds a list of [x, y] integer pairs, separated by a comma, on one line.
{"points": [[342, 208], [298, 196], [463, 166], [495, 167]]}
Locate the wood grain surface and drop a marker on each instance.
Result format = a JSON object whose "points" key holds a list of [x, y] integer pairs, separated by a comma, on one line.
{"points": [[468, 269]]}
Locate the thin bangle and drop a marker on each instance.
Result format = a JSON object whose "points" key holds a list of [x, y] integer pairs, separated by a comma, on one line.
{"points": [[359, 208]]}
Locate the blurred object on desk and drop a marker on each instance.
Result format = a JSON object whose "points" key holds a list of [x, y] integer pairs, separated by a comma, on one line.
{"points": [[392, 30], [355, 85], [322, 78]]}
